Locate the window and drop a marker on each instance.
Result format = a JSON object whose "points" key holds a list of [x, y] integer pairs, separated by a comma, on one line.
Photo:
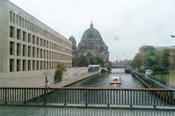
{"points": [[11, 16], [25, 23], [17, 19], [11, 65], [44, 43], [29, 37], [33, 41], [20, 21], [41, 65], [12, 48], [24, 65], [33, 65], [24, 50], [41, 41], [18, 49], [24, 36], [18, 65], [37, 65], [44, 65], [37, 40], [29, 65], [41, 53], [47, 44], [44, 54], [29, 51], [12, 32], [18, 34], [37, 52], [33, 52]]}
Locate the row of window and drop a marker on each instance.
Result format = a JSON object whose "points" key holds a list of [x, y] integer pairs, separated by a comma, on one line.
{"points": [[31, 51], [35, 39], [18, 20], [29, 65]]}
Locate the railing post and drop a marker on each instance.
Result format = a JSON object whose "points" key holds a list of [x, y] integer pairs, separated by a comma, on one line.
{"points": [[131, 99], [44, 96], [108, 98], [86, 98], [24, 96], [65, 97], [154, 105], [5, 96]]}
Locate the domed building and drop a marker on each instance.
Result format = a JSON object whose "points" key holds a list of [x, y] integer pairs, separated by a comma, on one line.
{"points": [[74, 47], [92, 44]]}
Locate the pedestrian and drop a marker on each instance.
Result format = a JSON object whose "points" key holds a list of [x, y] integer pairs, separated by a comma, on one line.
{"points": [[46, 82]]}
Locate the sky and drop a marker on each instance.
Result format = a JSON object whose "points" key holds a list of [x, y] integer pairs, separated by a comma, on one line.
{"points": [[125, 25]]}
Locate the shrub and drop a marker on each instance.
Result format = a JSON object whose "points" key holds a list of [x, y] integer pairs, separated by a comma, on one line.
{"points": [[60, 69]]}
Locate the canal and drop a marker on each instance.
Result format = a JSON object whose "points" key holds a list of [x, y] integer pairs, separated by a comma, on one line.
{"points": [[103, 80]]}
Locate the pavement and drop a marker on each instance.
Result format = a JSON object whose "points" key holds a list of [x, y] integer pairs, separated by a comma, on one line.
{"points": [[37, 79]]}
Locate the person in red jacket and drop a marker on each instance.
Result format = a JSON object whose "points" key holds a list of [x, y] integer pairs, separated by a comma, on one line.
{"points": [[46, 82]]}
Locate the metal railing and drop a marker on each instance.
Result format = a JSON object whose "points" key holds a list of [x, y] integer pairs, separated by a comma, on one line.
{"points": [[104, 97], [151, 82]]}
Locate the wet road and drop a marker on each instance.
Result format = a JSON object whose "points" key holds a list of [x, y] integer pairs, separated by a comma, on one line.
{"points": [[103, 80]]}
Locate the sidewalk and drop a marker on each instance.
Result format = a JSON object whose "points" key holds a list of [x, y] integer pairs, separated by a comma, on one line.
{"points": [[36, 78]]}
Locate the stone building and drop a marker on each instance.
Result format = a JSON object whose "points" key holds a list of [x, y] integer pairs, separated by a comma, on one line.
{"points": [[74, 47], [92, 44], [28, 45]]}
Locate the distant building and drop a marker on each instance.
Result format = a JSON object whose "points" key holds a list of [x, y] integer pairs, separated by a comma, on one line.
{"points": [[28, 45], [92, 44], [74, 47]]}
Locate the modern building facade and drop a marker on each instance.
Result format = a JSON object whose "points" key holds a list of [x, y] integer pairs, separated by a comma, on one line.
{"points": [[26, 44]]}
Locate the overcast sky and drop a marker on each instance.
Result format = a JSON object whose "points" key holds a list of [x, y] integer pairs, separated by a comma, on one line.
{"points": [[124, 25]]}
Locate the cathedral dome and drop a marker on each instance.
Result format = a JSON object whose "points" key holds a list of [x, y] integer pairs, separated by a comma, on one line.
{"points": [[91, 33], [72, 38], [92, 44]]}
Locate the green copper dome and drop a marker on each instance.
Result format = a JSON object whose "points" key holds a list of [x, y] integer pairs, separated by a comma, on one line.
{"points": [[91, 33]]}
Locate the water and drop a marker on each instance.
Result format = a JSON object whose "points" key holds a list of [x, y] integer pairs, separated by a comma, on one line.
{"points": [[103, 80]]}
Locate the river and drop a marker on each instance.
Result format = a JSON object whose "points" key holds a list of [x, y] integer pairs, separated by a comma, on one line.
{"points": [[103, 80]]}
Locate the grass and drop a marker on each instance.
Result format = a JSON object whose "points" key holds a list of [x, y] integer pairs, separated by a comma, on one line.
{"points": [[166, 78]]}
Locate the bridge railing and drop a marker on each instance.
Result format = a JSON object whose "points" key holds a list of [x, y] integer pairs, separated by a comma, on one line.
{"points": [[107, 97]]}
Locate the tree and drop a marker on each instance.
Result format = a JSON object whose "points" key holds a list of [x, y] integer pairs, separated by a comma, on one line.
{"points": [[82, 61], [60, 69], [162, 57], [147, 50], [96, 60], [138, 61], [85, 61], [74, 62]]}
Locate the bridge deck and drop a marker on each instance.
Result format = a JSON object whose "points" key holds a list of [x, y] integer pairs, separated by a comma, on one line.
{"points": [[81, 111]]}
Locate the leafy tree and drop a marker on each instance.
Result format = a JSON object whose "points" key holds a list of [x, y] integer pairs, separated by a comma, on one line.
{"points": [[74, 62], [60, 69], [82, 61], [85, 61], [147, 50], [138, 61]]}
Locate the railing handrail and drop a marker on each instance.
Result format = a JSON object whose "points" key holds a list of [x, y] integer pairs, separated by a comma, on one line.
{"points": [[78, 88]]}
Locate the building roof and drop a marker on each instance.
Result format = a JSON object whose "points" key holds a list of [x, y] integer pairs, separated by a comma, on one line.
{"points": [[72, 38], [91, 33]]}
